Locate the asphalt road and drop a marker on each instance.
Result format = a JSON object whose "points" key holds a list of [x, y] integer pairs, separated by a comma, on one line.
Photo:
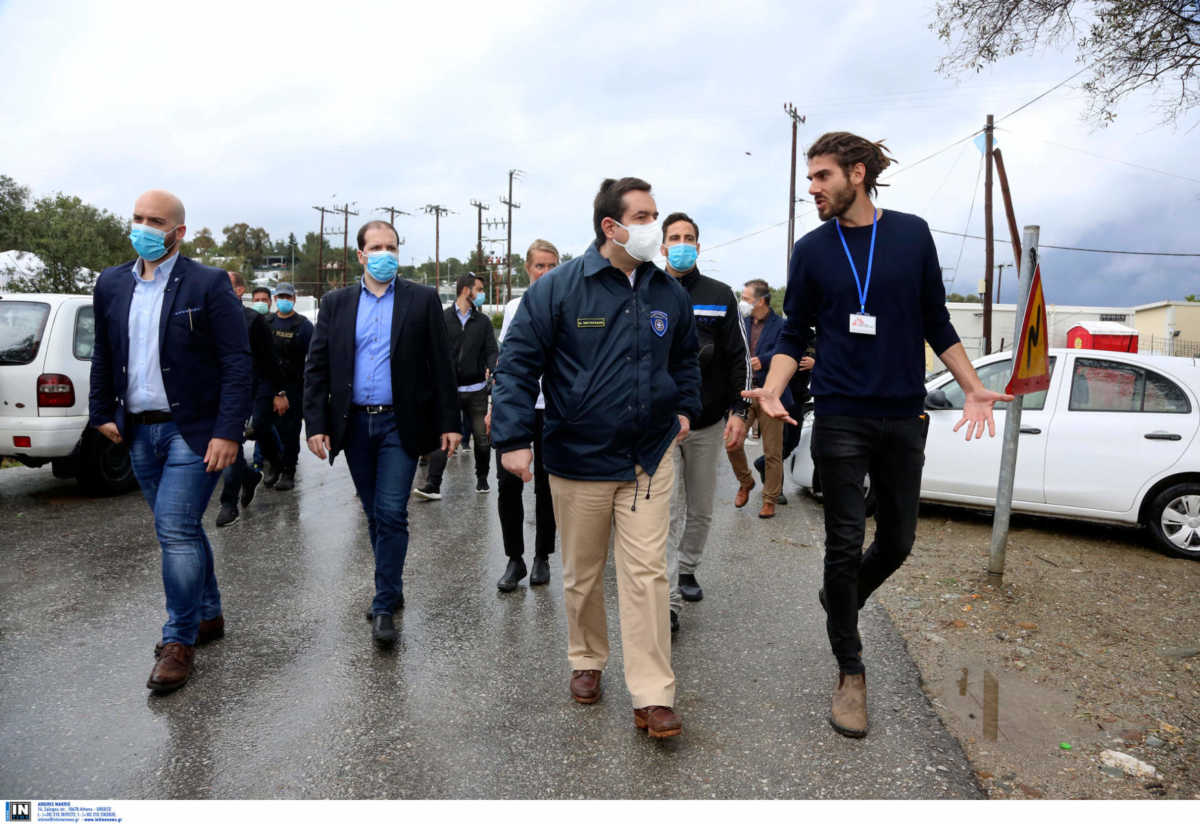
{"points": [[296, 702]]}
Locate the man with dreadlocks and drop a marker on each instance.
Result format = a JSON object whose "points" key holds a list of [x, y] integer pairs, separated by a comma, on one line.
{"points": [[871, 284]]}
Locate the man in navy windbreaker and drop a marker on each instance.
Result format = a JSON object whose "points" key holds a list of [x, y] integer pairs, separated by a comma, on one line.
{"points": [[613, 338]]}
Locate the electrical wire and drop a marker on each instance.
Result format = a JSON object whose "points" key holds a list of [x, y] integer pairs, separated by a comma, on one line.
{"points": [[1072, 248], [1053, 88], [1110, 159], [970, 212]]}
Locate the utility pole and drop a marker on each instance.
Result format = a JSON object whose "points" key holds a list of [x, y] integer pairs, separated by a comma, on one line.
{"points": [[479, 208], [320, 290], [797, 119], [990, 251], [508, 244], [1000, 278], [1008, 206], [345, 212], [437, 212], [392, 212]]}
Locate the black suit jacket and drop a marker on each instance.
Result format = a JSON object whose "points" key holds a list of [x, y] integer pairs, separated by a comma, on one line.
{"points": [[424, 393]]}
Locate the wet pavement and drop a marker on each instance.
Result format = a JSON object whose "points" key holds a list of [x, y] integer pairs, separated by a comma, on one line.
{"points": [[296, 702]]}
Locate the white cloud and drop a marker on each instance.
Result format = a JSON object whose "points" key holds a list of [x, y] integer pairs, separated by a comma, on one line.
{"points": [[258, 111]]}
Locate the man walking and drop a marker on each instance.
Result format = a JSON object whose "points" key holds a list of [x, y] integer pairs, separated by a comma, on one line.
{"points": [[473, 350], [614, 339], [171, 376], [379, 385], [292, 333], [721, 426], [541, 257], [762, 327], [241, 481], [870, 282]]}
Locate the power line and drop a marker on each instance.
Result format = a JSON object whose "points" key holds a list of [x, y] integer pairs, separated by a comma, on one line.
{"points": [[970, 212], [1074, 248], [1113, 160], [1055, 87]]}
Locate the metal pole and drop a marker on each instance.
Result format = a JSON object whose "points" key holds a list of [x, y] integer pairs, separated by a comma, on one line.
{"points": [[508, 243], [1012, 423], [990, 251], [345, 240]]}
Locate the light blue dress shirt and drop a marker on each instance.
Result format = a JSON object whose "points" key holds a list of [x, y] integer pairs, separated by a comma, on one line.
{"points": [[372, 348], [144, 390]]}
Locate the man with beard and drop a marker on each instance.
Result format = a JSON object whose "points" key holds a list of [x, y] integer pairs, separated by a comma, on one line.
{"points": [[871, 283]]}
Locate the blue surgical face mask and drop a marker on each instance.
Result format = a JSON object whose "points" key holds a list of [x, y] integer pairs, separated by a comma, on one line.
{"points": [[261, 306], [480, 299], [148, 242], [682, 256], [284, 305], [382, 265]]}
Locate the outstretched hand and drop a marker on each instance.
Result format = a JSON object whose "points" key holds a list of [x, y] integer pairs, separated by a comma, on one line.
{"points": [[769, 404], [977, 412]]}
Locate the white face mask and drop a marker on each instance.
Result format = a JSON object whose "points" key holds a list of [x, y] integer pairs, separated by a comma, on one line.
{"points": [[644, 240], [745, 308]]}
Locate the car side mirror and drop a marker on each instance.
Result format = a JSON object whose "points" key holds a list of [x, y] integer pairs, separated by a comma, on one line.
{"points": [[936, 399]]}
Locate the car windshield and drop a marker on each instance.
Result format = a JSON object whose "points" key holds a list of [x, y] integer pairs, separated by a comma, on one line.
{"points": [[21, 326]]}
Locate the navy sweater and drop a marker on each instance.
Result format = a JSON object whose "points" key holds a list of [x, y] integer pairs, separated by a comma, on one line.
{"points": [[881, 376]]}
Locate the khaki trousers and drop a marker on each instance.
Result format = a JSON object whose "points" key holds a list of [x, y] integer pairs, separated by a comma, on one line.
{"points": [[587, 512], [771, 431]]}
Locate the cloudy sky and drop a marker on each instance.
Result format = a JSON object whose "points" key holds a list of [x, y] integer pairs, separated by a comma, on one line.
{"points": [[256, 112]]}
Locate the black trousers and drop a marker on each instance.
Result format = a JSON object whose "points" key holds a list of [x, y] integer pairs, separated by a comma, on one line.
{"points": [[474, 404], [262, 419], [288, 426], [844, 450], [512, 509]]}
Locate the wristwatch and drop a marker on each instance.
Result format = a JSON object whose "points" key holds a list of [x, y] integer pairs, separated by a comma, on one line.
{"points": [[282, 393], [742, 413]]}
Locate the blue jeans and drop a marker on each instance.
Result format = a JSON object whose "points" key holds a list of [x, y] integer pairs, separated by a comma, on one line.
{"points": [[383, 476], [177, 487]]}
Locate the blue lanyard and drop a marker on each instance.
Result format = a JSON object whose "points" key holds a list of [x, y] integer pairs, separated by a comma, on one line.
{"points": [[862, 290]]}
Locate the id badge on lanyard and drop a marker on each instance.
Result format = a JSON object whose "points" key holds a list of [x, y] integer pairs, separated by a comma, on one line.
{"points": [[860, 322]]}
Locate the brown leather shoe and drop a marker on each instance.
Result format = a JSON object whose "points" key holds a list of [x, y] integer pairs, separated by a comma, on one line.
{"points": [[585, 686], [742, 496], [849, 714], [660, 722], [768, 510], [173, 667], [211, 630]]}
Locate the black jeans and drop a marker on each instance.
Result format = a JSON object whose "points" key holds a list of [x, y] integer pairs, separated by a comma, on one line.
{"points": [[288, 426], [845, 449], [474, 404], [262, 420], [512, 509]]}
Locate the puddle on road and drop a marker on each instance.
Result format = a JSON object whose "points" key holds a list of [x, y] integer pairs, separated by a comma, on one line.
{"points": [[1007, 710]]}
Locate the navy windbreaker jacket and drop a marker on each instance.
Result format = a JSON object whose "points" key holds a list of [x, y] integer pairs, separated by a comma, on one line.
{"points": [[617, 365]]}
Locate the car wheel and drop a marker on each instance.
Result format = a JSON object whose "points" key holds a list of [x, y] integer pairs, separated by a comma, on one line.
{"points": [[104, 467], [1174, 520], [868, 491]]}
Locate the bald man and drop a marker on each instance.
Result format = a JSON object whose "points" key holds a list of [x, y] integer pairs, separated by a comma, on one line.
{"points": [[172, 377]]}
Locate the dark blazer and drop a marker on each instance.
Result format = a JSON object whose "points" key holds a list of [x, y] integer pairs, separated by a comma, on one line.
{"points": [[473, 347], [203, 351], [768, 343], [424, 392]]}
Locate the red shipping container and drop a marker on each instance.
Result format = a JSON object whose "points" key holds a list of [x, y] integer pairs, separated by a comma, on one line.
{"points": [[1104, 334]]}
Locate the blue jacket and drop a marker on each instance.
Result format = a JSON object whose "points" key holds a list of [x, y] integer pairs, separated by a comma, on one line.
{"points": [[768, 343], [618, 364], [204, 354]]}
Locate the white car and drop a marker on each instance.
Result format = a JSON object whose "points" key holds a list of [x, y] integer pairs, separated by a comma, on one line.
{"points": [[46, 346], [1113, 439]]}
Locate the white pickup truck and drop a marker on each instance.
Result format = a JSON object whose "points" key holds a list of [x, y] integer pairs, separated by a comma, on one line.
{"points": [[45, 363]]}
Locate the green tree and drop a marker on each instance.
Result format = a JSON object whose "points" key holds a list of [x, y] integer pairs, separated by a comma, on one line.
{"points": [[1127, 45], [955, 297], [14, 218], [71, 237]]}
